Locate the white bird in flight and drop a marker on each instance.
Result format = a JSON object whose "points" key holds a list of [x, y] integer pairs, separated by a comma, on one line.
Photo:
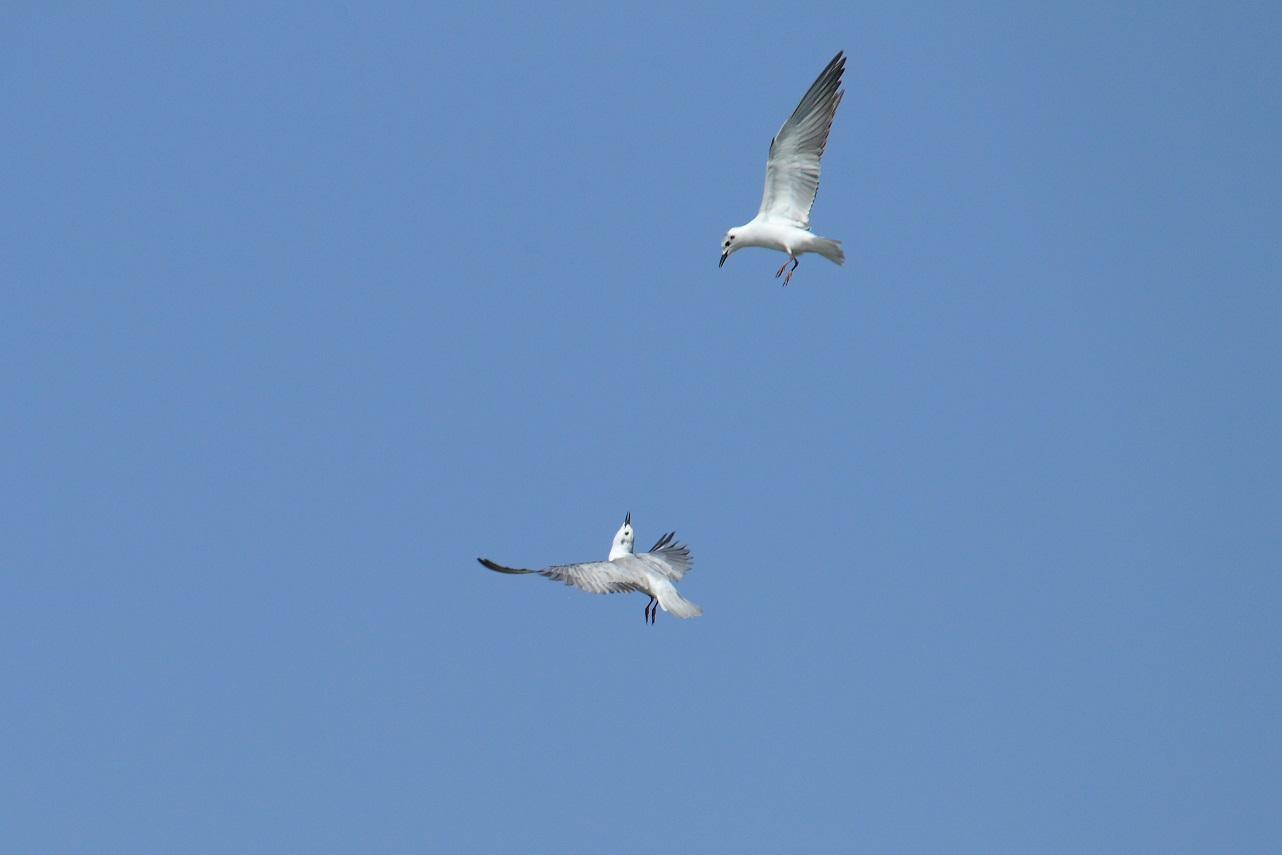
{"points": [[792, 178], [650, 573]]}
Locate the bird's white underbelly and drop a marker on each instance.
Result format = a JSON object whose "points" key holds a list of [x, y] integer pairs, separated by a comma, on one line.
{"points": [[784, 238]]}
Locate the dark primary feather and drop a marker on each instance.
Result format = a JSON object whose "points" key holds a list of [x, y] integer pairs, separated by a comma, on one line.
{"points": [[824, 89], [500, 568]]}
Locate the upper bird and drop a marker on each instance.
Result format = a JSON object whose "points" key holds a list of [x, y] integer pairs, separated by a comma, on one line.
{"points": [[792, 178], [650, 573]]}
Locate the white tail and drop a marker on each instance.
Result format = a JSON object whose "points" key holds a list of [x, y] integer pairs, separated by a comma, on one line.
{"points": [[672, 601], [830, 249]]}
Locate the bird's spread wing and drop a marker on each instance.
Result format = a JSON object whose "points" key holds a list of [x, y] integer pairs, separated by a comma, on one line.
{"points": [[668, 558], [596, 577], [792, 169]]}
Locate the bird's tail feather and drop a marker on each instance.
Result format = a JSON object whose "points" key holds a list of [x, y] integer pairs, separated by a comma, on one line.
{"points": [[831, 250], [675, 603]]}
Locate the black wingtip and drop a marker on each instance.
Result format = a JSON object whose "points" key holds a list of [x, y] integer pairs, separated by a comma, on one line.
{"points": [[499, 568], [663, 541]]}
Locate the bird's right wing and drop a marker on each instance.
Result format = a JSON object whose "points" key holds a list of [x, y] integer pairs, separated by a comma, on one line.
{"points": [[595, 577], [792, 168], [670, 558]]}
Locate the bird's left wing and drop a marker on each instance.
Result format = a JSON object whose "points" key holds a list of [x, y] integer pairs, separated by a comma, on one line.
{"points": [[792, 168]]}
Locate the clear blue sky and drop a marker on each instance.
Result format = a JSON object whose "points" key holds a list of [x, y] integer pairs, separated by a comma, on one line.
{"points": [[306, 306]]}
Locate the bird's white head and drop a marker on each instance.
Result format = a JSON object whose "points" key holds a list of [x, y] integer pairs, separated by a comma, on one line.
{"points": [[729, 244], [623, 539]]}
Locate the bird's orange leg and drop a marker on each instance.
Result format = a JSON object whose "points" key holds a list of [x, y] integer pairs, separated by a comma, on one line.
{"points": [[795, 261]]}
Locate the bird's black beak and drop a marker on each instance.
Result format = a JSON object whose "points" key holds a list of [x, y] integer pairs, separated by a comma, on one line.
{"points": [[724, 256], [627, 518]]}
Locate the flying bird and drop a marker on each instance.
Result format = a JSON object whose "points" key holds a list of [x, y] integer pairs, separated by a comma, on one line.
{"points": [[792, 178], [650, 573]]}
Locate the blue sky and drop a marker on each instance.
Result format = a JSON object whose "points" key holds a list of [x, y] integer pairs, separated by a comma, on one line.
{"points": [[307, 306]]}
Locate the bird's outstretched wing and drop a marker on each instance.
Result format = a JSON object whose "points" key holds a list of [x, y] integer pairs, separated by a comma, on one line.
{"points": [[596, 577], [792, 168], [668, 558]]}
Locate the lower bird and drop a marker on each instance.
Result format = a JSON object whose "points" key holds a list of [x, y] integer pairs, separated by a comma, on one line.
{"points": [[650, 573]]}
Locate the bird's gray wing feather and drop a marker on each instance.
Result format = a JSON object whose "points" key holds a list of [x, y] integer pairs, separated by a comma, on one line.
{"points": [[792, 168], [668, 558], [596, 577]]}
